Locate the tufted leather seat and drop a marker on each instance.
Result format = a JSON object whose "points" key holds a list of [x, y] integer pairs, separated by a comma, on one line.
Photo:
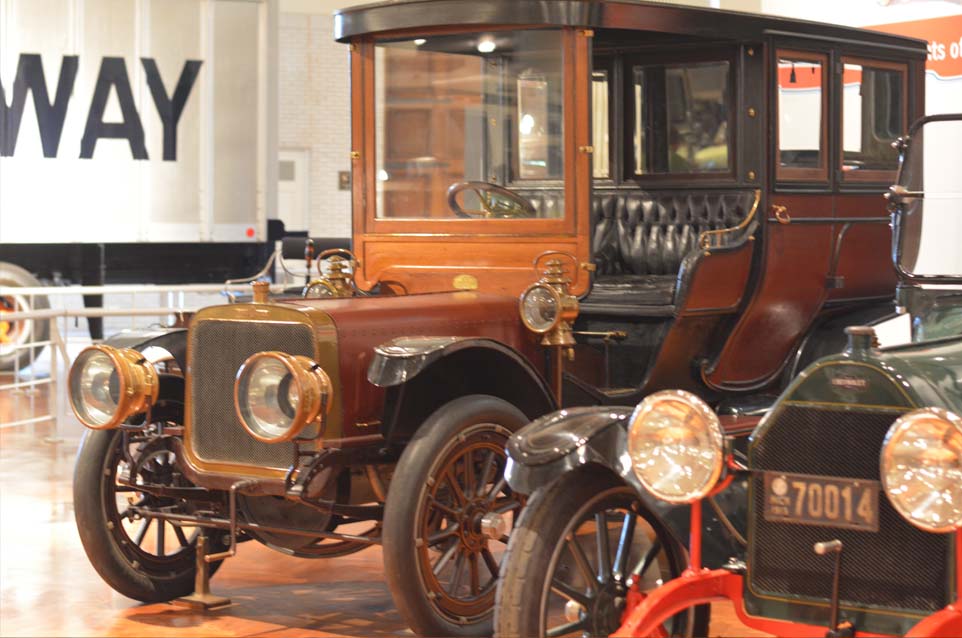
{"points": [[640, 240]]}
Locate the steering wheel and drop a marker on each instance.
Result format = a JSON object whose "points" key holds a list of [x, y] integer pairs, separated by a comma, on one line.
{"points": [[496, 202]]}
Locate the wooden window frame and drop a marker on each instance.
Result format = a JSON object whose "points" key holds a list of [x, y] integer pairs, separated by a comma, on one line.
{"points": [[798, 173], [716, 54], [574, 52], [881, 176]]}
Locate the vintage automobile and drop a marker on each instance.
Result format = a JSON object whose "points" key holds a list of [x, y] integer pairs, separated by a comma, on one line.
{"points": [[854, 476], [670, 174]]}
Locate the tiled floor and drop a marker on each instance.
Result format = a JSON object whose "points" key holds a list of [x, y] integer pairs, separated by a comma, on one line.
{"points": [[48, 587]]}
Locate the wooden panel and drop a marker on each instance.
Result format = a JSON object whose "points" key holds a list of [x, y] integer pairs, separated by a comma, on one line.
{"points": [[788, 297], [688, 340], [719, 281], [865, 259], [427, 264], [424, 255]]}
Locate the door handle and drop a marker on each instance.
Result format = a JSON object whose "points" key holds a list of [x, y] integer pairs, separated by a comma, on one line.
{"points": [[781, 214]]}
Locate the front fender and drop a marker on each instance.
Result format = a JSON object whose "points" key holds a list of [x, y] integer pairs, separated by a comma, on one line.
{"points": [[168, 341], [404, 358], [570, 439]]}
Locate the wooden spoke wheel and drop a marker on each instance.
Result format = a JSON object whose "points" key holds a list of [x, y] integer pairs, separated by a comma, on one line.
{"points": [[448, 516]]}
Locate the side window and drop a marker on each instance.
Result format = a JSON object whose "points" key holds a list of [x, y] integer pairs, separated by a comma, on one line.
{"points": [[538, 150], [873, 115], [802, 102], [601, 158], [681, 115]]}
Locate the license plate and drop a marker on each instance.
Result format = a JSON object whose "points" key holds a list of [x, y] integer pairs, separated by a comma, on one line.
{"points": [[821, 500]]}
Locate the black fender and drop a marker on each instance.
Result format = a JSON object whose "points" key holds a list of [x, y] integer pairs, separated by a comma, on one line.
{"points": [[423, 373], [570, 439], [172, 340]]}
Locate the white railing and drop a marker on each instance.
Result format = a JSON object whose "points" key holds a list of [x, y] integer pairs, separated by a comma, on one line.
{"points": [[172, 302]]}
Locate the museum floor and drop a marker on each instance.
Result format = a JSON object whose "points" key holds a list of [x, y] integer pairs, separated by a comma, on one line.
{"points": [[48, 588]]}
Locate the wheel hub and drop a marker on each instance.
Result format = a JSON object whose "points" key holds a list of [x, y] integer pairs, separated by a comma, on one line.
{"points": [[472, 525], [608, 607]]}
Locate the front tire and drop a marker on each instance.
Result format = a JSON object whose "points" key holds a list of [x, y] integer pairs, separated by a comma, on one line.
{"points": [[563, 577], [441, 568], [146, 559]]}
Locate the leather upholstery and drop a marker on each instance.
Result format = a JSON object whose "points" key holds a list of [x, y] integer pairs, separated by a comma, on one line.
{"points": [[640, 239], [643, 233]]}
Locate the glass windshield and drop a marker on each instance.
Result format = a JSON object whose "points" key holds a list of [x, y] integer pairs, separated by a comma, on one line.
{"points": [[470, 125], [930, 227]]}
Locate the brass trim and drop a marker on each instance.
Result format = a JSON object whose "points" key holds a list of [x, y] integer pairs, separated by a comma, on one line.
{"points": [[139, 384], [313, 390], [781, 214], [704, 239], [261, 291], [325, 353], [860, 406]]}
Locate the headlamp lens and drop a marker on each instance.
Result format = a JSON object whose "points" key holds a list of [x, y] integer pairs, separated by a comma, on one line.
{"points": [[676, 446], [539, 308], [268, 396], [921, 468], [95, 388]]}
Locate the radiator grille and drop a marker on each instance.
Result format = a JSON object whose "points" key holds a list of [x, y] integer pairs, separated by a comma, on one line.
{"points": [[897, 567], [217, 350]]}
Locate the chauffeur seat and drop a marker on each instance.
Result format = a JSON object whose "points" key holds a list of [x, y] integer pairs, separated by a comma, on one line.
{"points": [[641, 239]]}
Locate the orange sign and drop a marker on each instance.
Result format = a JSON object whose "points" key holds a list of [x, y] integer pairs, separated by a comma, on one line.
{"points": [[944, 36]]}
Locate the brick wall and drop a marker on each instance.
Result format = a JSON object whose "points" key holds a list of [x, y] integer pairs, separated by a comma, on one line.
{"points": [[314, 113]]}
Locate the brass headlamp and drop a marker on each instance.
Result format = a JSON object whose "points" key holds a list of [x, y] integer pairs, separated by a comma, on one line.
{"points": [[277, 395], [547, 307], [108, 385], [339, 280]]}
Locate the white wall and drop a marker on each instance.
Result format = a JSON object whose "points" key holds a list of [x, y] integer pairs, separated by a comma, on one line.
{"points": [[315, 114]]}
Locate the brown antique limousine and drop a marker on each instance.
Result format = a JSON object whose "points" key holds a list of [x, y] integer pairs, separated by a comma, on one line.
{"points": [[679, 198]]}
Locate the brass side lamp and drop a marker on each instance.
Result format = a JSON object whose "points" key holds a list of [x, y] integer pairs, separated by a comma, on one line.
{"points": [[339, 280], [548, 308]]}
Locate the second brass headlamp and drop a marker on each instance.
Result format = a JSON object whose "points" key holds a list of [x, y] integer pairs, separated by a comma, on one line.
{"points": [[277, 395]]}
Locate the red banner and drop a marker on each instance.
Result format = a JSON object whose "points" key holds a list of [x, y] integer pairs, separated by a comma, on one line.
{"points": [[944, 36]]}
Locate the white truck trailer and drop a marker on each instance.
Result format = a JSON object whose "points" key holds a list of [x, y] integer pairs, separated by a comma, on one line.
{"points": [[137, 144]]}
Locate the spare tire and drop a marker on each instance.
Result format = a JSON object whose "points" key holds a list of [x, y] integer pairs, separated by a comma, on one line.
{"points": [[14, 334]]}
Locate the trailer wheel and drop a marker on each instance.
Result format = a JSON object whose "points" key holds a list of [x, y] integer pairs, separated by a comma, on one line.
{"points": [[16, 333]]}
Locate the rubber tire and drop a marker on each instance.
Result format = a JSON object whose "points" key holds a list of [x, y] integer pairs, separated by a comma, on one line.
{"points": [[400, 510], [98, 542], [537, 533], [12, 276]]}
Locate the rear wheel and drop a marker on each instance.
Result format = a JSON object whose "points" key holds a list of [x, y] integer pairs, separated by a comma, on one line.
{"points": [[577, 547], [16, 333], [441, 563]]}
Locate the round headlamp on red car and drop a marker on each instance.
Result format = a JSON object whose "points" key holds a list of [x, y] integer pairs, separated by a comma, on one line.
{"points": [[277, 395], [108, 385]]}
